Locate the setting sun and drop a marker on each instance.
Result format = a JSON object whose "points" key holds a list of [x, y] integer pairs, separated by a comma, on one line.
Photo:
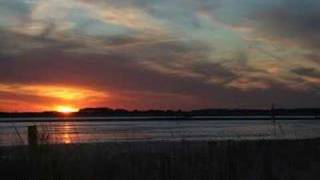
{"points": [[66, 109]]}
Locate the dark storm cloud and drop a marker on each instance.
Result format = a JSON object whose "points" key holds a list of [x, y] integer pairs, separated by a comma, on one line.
{"points": [[213, 70], [308, 72], [290, 20], [293, 19], [118, 40], [15, 43], [313, 57], [182, 58]]}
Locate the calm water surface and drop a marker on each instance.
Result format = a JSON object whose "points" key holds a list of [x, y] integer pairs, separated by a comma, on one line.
{"points": [[15, 133]]}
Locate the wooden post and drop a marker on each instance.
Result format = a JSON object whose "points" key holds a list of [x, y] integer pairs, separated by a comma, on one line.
{"points": [[32, 136], [273, 116]]}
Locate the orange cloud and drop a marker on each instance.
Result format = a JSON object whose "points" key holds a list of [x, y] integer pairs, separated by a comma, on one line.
{"points": [[47, 97], [245, 84], [52, 91]]}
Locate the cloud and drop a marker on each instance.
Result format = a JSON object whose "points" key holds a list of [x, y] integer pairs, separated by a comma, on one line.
{"points": [[297, 21], [101, 16], [309, 72], [285, 21], [63, 93], [310, 75], [245, 84], [313, 57], [169, 53]]}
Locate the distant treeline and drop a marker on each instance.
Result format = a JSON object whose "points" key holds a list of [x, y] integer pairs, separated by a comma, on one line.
{"points": [[202, 112]]}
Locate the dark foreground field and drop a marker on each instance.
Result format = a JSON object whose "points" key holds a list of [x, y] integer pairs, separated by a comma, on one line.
{"points": [[232, 160]]}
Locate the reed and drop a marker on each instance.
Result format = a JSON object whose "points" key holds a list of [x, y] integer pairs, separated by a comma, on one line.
{"points": [[185, 160]]}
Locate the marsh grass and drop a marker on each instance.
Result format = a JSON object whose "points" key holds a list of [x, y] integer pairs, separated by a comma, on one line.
{"points": [[185, 160]]}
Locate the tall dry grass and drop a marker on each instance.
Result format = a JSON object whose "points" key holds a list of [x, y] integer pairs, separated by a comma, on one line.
{"points": [[185, 160]]}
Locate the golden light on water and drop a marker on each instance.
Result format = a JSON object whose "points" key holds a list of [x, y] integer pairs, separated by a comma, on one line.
{"points": [[66, 138], [65, 109]]}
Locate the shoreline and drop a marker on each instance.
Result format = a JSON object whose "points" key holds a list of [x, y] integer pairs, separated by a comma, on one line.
{"points": [[151, 119], [177, 141]]}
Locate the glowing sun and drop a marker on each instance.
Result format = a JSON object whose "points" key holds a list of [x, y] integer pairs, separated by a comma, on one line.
{"points": [[66, 109]]}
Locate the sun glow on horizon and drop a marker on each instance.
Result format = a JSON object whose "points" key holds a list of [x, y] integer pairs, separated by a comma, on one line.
{"points": [[66, 109], [52, 91]]}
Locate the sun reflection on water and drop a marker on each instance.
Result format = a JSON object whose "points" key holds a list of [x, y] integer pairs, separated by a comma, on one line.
{"points": [[66, 138]]}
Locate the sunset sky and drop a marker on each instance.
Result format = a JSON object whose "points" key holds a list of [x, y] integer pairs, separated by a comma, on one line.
{"points": [[159, 54]]}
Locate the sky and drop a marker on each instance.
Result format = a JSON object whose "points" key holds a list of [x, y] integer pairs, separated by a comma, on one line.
{"points": [[159, 54]]}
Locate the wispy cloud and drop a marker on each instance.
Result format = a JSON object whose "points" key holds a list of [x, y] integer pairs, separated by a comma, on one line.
{"points": [[211, 52]]}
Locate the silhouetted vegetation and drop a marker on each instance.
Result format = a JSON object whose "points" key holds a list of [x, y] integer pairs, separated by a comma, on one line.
{"points": [[223, 160], [92, 112]]}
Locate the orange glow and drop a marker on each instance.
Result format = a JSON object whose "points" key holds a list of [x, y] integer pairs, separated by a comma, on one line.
{"points": [[66, 139], [66, 109], [64, 99], [51, 91]]}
